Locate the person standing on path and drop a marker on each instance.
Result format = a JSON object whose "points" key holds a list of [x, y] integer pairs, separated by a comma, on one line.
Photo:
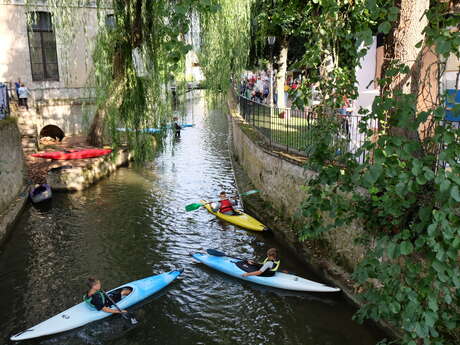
{"points": [[23, 93], [17, 85]]}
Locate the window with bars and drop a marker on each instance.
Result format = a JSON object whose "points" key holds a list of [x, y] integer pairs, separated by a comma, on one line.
{"points": [[42, 47]]}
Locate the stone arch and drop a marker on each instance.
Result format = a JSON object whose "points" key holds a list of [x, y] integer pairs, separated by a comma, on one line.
{"points": [[52, 131]]}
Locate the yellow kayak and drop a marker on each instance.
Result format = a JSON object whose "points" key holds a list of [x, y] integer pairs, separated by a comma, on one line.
{"points": [[242, 219]]}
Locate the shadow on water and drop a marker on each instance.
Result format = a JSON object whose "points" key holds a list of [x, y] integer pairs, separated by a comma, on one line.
{"points": [[132, 225]]}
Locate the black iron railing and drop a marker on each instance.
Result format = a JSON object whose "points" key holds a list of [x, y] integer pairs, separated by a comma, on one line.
{"points": [[294, 130], [4, 101]]}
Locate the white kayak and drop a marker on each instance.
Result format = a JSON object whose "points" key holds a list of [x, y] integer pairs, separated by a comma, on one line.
{"points": [[82, 313], [280, 280]]}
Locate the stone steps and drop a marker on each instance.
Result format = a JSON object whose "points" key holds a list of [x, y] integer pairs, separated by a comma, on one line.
{"points": [[28, 129]]}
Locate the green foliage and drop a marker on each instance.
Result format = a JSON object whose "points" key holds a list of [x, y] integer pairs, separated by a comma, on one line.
{"points": [[8, 121], [406, 194], [225, 42]]}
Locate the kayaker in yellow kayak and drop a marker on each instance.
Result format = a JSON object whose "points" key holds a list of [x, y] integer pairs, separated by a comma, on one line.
{"points": [[268, 268], [97, 299], [225, 205]]}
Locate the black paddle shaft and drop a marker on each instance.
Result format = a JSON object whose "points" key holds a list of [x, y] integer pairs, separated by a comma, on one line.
{"points": [[215, 252], [130, 318]]}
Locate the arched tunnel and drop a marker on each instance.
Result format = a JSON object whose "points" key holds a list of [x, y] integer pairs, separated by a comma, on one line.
{"points": [[52, 131]]}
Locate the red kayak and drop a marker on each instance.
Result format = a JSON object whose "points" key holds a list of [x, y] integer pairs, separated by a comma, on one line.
{"points": [[73, 154]]}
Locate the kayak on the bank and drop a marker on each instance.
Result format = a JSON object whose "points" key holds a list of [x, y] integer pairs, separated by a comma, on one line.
{"points": [[40, 193], [241, 219], [73, 154], [82, 313], [280, 280]]}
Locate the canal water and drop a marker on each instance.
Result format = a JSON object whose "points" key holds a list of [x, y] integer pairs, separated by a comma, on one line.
{"points": [[132, 225]]}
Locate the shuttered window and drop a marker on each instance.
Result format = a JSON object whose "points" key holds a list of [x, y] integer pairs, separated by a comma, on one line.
{"points": [[42, 47]]}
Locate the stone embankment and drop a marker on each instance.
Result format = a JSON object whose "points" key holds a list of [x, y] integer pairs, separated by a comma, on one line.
{"points": [[281, 179], [72, 177], [13, 194], [18, 170]]}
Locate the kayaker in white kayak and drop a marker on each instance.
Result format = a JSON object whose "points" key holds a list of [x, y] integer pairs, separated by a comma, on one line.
{"points": [[225, 205], [97, 299], [266, 269]]}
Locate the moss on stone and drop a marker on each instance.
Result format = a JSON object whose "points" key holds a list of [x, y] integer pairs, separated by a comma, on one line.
{"points": [[8, 121]]}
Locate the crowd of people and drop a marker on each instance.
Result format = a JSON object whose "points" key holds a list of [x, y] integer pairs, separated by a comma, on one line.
{"points": [[256, 87]]}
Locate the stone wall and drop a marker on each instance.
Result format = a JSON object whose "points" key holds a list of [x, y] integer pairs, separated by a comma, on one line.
{"points": [[11, 163], [281, 182], [12, 187], [72, 178]]}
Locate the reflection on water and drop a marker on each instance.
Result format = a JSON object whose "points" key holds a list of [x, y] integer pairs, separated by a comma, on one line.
{"points": [[132, 225]]}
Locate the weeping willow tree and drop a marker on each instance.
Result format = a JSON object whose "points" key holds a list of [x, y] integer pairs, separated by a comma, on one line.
{"points": [[225, 42], [135, 61]]}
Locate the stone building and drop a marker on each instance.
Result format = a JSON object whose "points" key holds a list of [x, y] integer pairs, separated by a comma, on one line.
{"points": [[53, 63]]}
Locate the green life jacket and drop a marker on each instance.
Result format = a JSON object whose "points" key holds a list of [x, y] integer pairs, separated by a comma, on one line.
{"points": [[276, 264], [88, 299]]}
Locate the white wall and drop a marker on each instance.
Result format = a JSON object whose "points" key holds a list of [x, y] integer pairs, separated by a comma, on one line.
{"points": [[365, 75]]}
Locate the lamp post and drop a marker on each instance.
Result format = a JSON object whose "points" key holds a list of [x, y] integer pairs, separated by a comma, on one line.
{"points": [[271, 42]]}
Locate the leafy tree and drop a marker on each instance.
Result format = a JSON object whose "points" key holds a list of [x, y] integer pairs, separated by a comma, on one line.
{"points": [[410, 277]]}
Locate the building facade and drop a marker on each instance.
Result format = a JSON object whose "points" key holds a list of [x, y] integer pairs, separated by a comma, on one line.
{"points": [[49, 49]]}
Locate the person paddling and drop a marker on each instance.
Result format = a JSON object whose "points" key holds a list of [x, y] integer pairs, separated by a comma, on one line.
{"points": [[96, 298], [268, 268], [177, 128], [225, 206]]}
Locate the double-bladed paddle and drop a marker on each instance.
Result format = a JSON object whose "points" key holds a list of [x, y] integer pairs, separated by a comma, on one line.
{"points": [[127, 316], [215, 252], [196, 206]]}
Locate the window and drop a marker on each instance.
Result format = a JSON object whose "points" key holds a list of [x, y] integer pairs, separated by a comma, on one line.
{"points": [[42, 47], [110, 21]]}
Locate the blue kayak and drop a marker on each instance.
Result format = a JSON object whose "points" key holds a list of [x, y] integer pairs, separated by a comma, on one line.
{"points": [[145, 130], [82, 313], [155, 130], [183, 125], [280, 280]]}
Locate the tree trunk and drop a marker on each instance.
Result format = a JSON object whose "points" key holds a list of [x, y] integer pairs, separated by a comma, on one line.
{"points": [[409, 32], [400, 46], [95, 136], [123, 52], [281, 74]]}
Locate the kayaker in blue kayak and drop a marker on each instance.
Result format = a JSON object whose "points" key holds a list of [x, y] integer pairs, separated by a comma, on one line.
{"points": [[176, 127], [266, 269], [225, 205], [97, 299]]}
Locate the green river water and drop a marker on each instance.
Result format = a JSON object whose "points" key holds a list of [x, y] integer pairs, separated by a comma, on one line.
{"points": [[132, 225]]}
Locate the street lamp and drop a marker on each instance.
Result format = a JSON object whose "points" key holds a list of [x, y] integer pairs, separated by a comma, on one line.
{"points": [[271, 42]]}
